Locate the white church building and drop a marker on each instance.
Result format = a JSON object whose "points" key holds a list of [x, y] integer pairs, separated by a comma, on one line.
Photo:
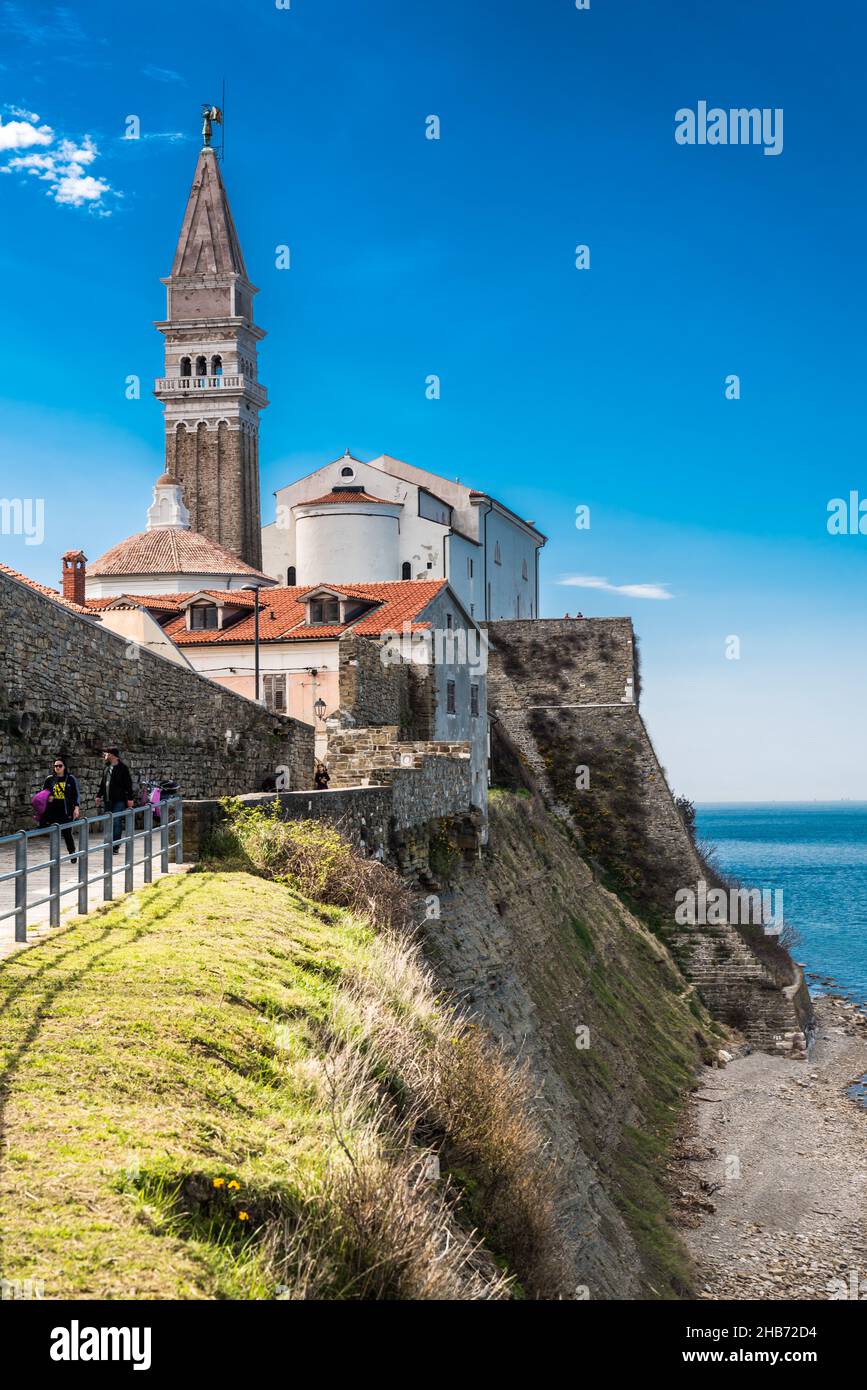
{"points": [[386, 520]]}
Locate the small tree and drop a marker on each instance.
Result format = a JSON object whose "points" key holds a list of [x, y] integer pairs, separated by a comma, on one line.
{"points": [[687, 814]]}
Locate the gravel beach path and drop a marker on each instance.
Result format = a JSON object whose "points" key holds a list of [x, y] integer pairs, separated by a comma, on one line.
{"points": [[771, 1179]]}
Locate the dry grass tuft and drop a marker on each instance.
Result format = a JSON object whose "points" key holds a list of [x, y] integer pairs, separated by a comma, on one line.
{"points": [[451, 1090], [376, 1224], [316, 860], [465, 1099]]}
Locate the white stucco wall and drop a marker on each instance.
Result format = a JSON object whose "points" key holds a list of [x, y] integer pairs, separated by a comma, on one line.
{"points": [[433, 551], [232, 664], [345, 543], [110, 586], [511, 596], [141, 627]]}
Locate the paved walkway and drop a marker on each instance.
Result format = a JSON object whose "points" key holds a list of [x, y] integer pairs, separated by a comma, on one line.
{"points": [[37, 884]]}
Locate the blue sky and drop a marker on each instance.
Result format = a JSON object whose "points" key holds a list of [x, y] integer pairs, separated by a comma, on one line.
{"points": [[560, 387]]}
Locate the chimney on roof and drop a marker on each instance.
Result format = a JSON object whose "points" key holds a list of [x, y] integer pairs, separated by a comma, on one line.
{"points": [[74, 575]]}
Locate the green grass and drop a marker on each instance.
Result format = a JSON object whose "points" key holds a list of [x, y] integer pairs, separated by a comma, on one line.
{"points": [[168, 1036], [221, 1089]]}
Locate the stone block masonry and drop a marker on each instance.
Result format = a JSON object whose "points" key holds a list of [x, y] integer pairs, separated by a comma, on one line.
{"points": [[389, 798], [373, 692], [394, 820], [362, 814], [69, 685], [562, 661], [358, 756], [567, 724]]}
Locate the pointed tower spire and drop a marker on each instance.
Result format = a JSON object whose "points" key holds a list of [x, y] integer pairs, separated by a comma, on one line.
{"points": [[210, 392], [208, 243]]}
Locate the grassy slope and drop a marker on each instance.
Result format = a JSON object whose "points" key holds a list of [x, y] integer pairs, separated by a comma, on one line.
{"points": [[219, 1088], [168, 1034], [182, 1038], [585, 959]]}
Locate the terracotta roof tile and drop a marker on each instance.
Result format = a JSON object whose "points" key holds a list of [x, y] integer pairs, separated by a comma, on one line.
{"points": [[169, 550], [344, 495], [158, 603], [282, 614], [45, 591]]}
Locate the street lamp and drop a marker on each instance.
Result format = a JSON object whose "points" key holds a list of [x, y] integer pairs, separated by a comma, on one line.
{"points": [[254, 589], [319, 709]]}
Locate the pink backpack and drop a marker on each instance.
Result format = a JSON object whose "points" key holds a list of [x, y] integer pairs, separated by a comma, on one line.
{"points": [[39, 803]]}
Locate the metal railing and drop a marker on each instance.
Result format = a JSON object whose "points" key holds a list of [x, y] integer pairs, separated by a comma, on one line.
{"points": [[168, 833]]}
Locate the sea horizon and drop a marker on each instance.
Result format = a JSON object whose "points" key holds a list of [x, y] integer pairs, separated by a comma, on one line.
{"points": [[768, 801], [815, 853]]}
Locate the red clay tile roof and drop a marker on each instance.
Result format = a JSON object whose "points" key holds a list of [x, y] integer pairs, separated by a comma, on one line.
{"points": [[348, 495], [158, 603], [282, 614], [169, 550], [45, 591]]}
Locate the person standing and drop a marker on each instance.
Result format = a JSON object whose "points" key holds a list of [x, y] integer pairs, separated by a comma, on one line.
{"points": [[115, 791], [64, 802]]}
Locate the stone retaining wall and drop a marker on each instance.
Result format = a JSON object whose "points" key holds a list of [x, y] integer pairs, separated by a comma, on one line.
{"points": [[393, 820], [561, 661], [362, 814], [562, 697], [373, 692], [69, 685]]}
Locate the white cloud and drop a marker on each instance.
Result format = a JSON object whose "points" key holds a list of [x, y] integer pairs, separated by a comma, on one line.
{"points": [[21, 113], [20, 135], [63, 168], [172, 136], [587, 581], [161, 74], [78, 189]]}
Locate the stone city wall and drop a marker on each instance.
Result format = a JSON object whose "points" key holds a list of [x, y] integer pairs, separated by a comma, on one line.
{"points": [[69, 686]]}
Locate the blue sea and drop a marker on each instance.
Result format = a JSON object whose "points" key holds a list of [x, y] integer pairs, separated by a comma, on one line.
{"points": [[816, 852]]}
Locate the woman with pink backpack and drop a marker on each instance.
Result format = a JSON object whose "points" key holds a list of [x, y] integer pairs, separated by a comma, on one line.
{"points": [[62, 804]]}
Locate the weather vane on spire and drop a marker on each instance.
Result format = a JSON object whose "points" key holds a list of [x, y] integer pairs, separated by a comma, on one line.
{"points": [[211, 115]]}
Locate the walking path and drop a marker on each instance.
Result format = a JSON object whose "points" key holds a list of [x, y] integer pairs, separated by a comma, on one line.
{"points": [[772, 1178], [37, 885]]}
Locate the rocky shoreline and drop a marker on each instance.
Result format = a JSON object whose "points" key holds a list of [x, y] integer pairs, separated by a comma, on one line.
{"points": [[769, 1181]]}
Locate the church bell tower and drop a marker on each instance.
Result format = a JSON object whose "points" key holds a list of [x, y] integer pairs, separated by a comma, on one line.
{"points": [[211, 392]]}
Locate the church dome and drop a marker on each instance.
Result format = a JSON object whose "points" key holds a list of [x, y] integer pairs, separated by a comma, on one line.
{"points": [[169, 550]]}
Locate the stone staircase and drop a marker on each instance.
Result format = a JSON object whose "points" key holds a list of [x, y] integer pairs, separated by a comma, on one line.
{"points": [[740, 991]]}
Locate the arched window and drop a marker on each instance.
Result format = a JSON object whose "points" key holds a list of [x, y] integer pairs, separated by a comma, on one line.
{"points": [[406, 570], [201, 366], [347, 472], [290, 577], [217, 366], [186, 366]]}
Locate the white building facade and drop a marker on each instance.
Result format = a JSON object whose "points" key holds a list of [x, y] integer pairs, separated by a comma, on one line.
{"points": [[354, 522]]}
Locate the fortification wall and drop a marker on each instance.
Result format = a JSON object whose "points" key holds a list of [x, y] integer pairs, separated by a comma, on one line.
{"points": [[566, 661], [567, 724], [394, 819], [428, 779], [68, 685]]}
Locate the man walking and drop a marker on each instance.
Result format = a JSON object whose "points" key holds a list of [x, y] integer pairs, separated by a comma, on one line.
{"points": [[115, 791]]}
